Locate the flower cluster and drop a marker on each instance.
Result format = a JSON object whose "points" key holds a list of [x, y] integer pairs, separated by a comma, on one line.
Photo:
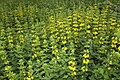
{"points": [[85, 60]]}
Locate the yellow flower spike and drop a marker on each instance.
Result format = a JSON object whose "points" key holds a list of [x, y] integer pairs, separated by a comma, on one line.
{"points": [[86, 55], [82, 24], [85, 61]]}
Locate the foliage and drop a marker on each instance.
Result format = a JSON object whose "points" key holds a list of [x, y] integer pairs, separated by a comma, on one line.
{"points": [[59, 40]]}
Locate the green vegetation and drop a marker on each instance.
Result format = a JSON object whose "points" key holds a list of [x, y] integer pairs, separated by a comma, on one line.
{"points": [[59, 40]]}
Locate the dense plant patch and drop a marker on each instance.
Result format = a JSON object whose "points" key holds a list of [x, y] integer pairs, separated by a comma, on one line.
{"points": [[64, 43]]}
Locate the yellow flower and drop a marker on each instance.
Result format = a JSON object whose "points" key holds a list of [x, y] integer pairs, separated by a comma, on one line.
{"points": [[80, 20], [29, 78], [72, 68], [86, 55], [75, 33], [64, 48], [84, 69], [101, 42], [70, 19], [10, 41], [53, 52], [56, 50], [34, 55], [88, 26], [34, 40], [73, 73], [57, 57], [95, 37], [75, 29], [110, 62], [7, 67], [53, 47], [95, 33], [119, 48], [64, 42], [86, 51], [82, 24], [100, 24], [69, 16], [85, 61], [109, 68], [33, 45], [113, 45], [74, 14], [6, 62], [113, 24], [64, 37], [72, 63], [118, 29], [75, 25]]}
